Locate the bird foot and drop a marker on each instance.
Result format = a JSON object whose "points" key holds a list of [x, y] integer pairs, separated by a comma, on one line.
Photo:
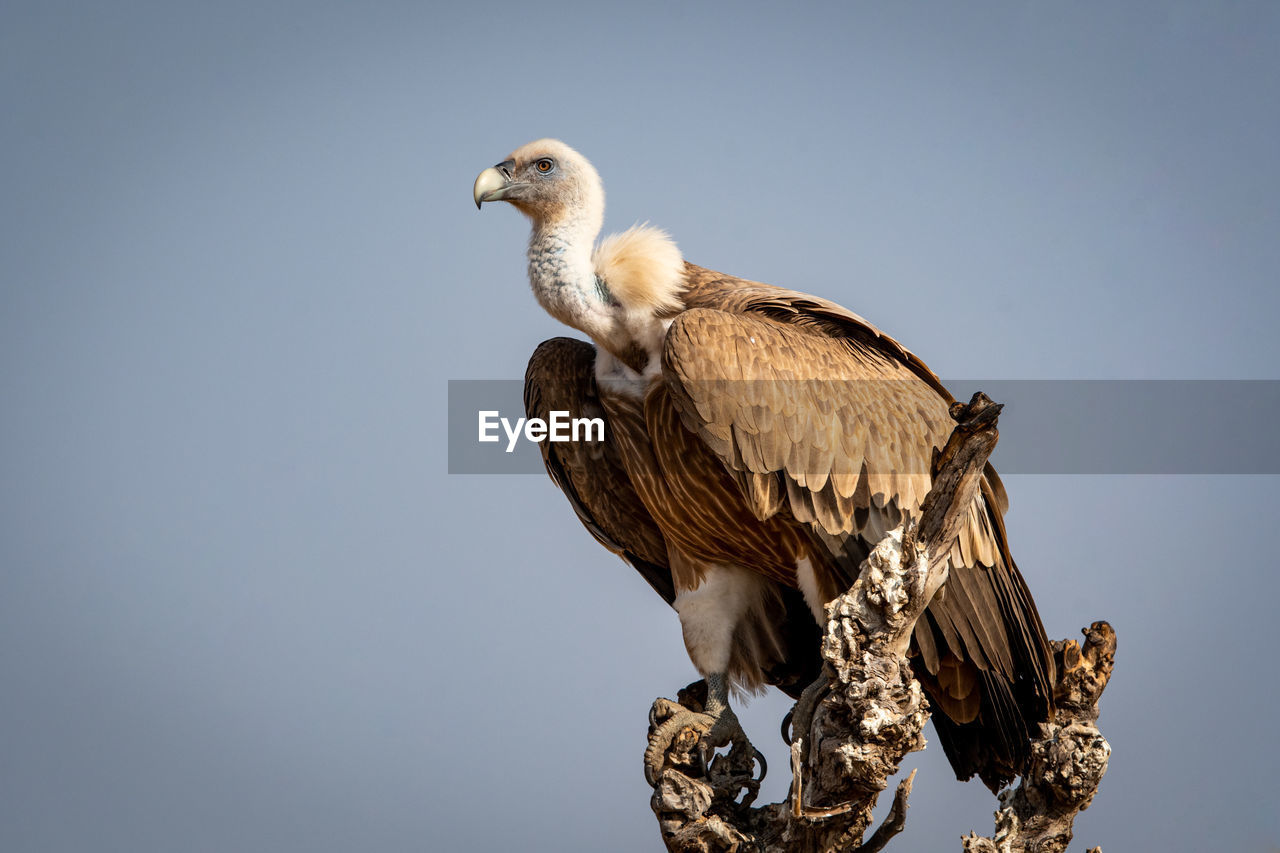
{"points": [[686, 740], [800, 718]]}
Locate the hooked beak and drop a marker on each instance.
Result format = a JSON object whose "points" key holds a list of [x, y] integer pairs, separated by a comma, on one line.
{"points": [[495, 184]]}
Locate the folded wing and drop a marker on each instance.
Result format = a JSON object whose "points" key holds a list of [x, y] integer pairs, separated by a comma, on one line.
{"points": [[818, 414]]}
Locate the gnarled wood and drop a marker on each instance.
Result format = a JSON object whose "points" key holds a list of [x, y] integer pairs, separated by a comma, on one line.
{"points": [[1067, 760]]}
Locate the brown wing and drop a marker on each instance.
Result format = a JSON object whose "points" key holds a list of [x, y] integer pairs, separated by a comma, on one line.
{"points": [[818, 413], [561, 377]]}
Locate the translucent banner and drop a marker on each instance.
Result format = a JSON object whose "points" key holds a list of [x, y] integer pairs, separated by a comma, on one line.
{"points": [[1047, 426]]}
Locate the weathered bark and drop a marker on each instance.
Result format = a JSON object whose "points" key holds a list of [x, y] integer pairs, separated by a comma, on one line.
{"points": [[1067, 760], [874, 711]]}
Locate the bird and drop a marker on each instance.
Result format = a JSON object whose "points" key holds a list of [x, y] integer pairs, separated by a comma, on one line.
{"points": [[759, 442]]}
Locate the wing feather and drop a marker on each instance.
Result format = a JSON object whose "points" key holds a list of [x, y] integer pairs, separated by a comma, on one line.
{"points": [[855, 419], [846, 410], [561, 377]]}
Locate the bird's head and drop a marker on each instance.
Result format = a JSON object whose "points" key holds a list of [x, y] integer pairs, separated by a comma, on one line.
{"points": [[547, 181]]}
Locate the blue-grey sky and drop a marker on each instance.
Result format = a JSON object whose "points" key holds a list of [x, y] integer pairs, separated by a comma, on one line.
{"points": [[244, 607]]}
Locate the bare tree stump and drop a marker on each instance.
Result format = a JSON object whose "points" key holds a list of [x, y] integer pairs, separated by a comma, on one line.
{"points": [[875, 711]]}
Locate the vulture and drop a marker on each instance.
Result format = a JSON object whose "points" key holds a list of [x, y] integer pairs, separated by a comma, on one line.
{"points": [[758, 443]]}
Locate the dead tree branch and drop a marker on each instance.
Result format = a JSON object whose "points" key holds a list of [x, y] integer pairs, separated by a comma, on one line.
{"points": [[874, 710], [1067, 760]]}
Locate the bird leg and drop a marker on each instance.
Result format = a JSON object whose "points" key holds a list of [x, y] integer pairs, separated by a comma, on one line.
{"points": [[717, 706], [686, 734]]}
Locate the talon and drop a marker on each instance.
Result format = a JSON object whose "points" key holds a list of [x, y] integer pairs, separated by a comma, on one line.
{"points": [[662, 710], [713, 728], [801, 715], [664, 736]]}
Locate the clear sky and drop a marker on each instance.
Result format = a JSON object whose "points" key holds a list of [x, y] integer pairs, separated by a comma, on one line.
{"points": [[244, 607]]}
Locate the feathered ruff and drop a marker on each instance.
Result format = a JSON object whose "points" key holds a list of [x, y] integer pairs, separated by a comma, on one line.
{"points": [[642, 268]]}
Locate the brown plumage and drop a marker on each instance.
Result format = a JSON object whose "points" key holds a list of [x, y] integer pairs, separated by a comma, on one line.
{"points": [[759, 442]]}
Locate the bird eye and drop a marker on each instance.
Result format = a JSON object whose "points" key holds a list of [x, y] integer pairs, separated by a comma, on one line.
{"points": [[546, 164]]}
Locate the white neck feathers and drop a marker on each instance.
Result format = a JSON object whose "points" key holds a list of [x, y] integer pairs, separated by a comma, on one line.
{"points": [[642, 268], [622, 294]]}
